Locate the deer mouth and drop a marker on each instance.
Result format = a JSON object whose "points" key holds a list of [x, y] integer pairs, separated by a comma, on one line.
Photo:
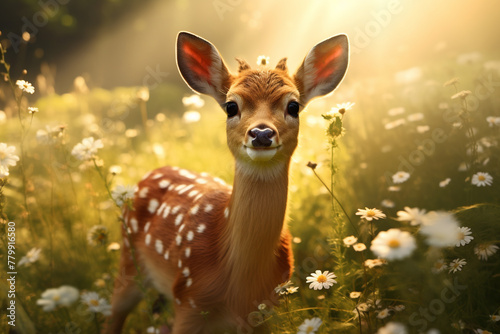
{"points": [[261, 153]]}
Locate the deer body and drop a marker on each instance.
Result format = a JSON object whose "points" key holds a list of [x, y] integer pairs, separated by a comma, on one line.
{"points": [[208, 246]]}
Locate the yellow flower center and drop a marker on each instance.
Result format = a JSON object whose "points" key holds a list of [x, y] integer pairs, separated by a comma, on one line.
{"points": [[309, 329], [394, 243], [56, 298], [370, 213], [481, 178], [3, 155], [94, 302], [461, 235], [321, 278]]}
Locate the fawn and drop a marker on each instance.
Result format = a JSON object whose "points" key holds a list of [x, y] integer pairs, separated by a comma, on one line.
{"points": [[219, 251]]}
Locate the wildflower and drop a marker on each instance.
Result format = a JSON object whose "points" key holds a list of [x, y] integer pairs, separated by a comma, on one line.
{"points": [[4, 172], [95, 303], [296, 240], [100, 283], [393, 244], [456, 265], [342, 108], [493, 121], [262, 60], [482, 179], [394, 188], [393, 328], [439, 266], [372, 263], [363, 307], [31, 257], [62, 296], [436, 226], [400, 177], [387, 203], [143, 94], [383, 314], [349, 241], [399, 308], [282, 288], [359, 247], [114, 246], [32, 110], [414, 216], [483, 331], [463, 94], [122, 194], [462, 167], [115, 170], [98, 235], [370, 214], [485, 250], [87, 149], [194, 100], [262, 307], [25, 86], [49, 135], [191, 116], [464, 236], [152, 330], [495, 317], [451, 82], [320, 280], [7, 157], [354, 294], [310, 326], [445, 182]]}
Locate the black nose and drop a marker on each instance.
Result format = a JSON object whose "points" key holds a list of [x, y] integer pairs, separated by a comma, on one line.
{"points": [[262, 137]]}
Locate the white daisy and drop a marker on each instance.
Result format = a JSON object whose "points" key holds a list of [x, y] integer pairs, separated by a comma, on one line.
{"points": [[342, 108], [393, 328], [95, 303], [436, 226], [456, 265], [485, 250], [400, 177], [464, 236], [122, 194], [387, 203], [31, 257], [370, 214], [481, 179], [262, 60], [115, 169], [439, 266], [62, 296], [463, 94], [445, 182], [383, 313], [393, 244], [87, 149], [320, 280], [412, 215], [349, 241], [359, 247], [483, 331], [354, 294], [98, 235], [310, 326], [493, 121], [282, 288], [7, 156], [372, 263], [25, 86], [495, 317], [32, 110]]}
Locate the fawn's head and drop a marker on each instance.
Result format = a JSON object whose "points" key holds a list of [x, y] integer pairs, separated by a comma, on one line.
{"points": [[262, 104]]}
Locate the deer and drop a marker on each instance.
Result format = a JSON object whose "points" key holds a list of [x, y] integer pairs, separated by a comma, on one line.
{"points": [[218, 251]]}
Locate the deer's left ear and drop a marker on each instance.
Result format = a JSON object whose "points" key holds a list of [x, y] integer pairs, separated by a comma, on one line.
{"points": [[323, 68]]}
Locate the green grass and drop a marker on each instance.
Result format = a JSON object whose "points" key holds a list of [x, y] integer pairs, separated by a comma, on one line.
{"points": [[55, 200]]}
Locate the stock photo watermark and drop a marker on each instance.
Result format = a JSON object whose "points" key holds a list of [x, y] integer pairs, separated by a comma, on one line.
{"points": [[11, 273]]}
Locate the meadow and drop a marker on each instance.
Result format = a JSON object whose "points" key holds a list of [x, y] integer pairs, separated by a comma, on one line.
{"points": [[394, 189]]}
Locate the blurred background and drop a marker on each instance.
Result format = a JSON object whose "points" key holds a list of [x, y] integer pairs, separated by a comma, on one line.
{"points": [[118, 42]]}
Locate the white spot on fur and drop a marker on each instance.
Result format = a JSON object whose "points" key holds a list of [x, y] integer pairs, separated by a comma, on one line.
{"points": [[209, 207], [146, 227], [204, 174], [178, 301], [125, 242], [201, 181], [226, 212], [179, 263], [197, 197], [153, 205], [163, 184], [148, 239], [134, 224], [194, 210], [181, 228], [180, 187], [159, 246], [182, 191], [220, 181], [186, 272], [190, 235], [146, 175], [167, 254], [162, 207], [187, 174], [189, 282], [157, 176], [201, 228], [175, 168], [129, 231], [178, 239], [176, 209], [143, 193], [187, 251], [191, 302], [178, 219], [166, 212], [193, 193]]}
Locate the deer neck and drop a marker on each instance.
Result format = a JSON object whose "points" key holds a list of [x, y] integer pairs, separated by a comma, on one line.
{"points": [[256, 221]]}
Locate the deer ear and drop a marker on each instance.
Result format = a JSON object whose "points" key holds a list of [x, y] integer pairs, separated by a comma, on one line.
{"points": [[323, 68], [202, 67]]}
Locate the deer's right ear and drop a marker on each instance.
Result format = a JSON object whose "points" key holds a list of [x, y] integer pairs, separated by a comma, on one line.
{"points": [[202, 67]]}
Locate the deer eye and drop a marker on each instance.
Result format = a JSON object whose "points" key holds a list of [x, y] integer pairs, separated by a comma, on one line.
{"points": [[231, 109], [293, 109]]}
